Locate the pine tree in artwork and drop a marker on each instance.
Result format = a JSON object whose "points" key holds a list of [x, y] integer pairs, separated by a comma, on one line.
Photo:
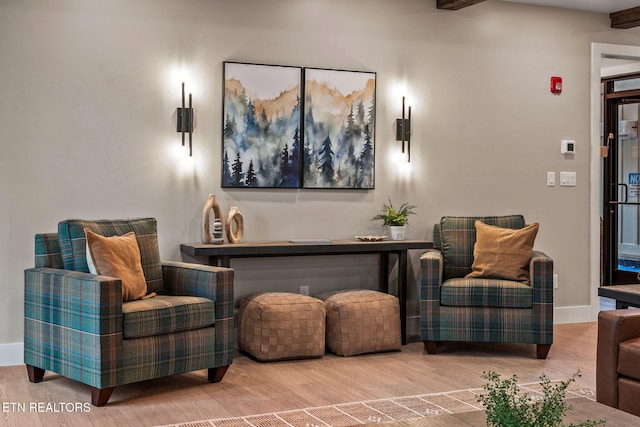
{"points": [[365, 162], [351, 130], [295, 113], [308, 164], [294, 158], [250, 178], [237, 175], [288, 175], [226, 171], [310, 129], [265, 123], [360, 114], [284, 160], [371, 119], [310, 126], [326, 161], [251, 125], [229, 127]]}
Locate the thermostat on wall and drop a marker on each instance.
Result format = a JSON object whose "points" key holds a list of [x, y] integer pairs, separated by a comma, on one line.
{"points": [[568, 146]]}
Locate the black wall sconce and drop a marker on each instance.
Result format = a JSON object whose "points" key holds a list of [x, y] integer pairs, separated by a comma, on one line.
{"points": [[184, 121], [403, 131]]}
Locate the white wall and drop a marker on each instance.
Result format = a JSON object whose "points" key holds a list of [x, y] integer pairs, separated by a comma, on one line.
{"points": [[88, 92]]}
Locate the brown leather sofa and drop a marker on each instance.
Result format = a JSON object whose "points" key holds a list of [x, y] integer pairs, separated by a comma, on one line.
{"points": [[618, 360]]}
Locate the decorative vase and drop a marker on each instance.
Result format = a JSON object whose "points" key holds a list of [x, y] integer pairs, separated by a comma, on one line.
{"points": [[207, 236], [397, 232], [235, 220]]}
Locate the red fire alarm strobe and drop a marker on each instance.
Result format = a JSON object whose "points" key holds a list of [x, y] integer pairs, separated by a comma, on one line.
{"points": [[556, 84]]}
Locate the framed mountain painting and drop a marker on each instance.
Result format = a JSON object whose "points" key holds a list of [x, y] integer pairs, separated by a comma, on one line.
{"points": [[339, 129], [261, 126]]}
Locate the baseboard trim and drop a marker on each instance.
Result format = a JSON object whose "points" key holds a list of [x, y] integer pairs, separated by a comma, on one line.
{"points": [[11, 354], [576, 314]]}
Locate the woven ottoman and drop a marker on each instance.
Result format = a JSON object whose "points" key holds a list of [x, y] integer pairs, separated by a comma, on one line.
{"points": [[361, 321], [279, 326]]}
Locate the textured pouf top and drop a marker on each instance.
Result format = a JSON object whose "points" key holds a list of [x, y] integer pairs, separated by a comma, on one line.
{"points": [[280, 325], [361, 321]]}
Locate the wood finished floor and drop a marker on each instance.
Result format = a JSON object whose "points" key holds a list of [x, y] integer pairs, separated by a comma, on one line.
{"points": [[250, 387]]}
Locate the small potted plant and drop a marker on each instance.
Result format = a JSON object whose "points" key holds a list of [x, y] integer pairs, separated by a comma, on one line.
{"points": [[396, 219]]}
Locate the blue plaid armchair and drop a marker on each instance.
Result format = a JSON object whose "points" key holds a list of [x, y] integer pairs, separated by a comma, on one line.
{"points": [[76, 324], [455, 308]]}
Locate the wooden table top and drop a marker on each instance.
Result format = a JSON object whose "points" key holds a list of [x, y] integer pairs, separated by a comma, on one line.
{"points": [[635, 289], [304, 247]]}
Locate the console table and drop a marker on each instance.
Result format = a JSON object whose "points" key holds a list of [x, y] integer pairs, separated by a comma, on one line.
{"points": [[221, 255]]}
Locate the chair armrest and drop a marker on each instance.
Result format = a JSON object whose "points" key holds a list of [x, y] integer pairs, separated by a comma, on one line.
{"points": [[74, 300], [431, 267], [215, 283], [541, 278], [541, 281], [614, 327], [73, 325], [541, 273]]}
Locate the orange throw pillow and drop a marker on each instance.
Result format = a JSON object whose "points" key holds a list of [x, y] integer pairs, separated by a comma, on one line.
{"points": [[119, 256], [503, 253]]}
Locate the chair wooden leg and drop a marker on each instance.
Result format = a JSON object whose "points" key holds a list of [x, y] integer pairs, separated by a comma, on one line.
{"points": [[431, 347], [100, 396], [216, 374], [35, 374], [542, 350]]}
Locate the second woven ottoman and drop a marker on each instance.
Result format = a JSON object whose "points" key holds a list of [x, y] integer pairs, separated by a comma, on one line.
{"points": [[280, 325], [361, 321]]}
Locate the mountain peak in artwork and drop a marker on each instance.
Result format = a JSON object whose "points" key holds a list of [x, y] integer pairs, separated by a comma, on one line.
{"points": [[280, 106], [335, 104], [233, 86]]}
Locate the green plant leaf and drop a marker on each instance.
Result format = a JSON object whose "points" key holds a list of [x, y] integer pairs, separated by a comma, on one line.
{"points": [[395, 217], [507, 405]]}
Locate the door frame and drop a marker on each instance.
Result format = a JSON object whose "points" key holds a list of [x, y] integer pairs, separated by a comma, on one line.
{"points": [[599, 53], [612, 173]]}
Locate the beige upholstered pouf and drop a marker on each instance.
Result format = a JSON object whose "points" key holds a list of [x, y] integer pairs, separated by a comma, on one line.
{"points": [[361, 321], [279, 325]]}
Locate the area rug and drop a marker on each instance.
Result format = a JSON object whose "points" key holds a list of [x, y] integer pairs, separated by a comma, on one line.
{"points": [[376, 411]]}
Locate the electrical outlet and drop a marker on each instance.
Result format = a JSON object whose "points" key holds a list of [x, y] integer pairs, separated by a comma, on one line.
{"points": [[555, 281], [304, 290]]}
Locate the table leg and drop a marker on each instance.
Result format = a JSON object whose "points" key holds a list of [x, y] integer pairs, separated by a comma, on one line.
{"points": [[384, 272], [402, 293], [620, 305], [220, 261]]}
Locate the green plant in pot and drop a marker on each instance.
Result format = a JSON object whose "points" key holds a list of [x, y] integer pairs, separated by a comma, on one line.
{"points": [[396, 219]]}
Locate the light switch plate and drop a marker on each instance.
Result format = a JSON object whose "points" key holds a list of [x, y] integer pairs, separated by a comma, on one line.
{"points": [[551, 179], [567, 179]]}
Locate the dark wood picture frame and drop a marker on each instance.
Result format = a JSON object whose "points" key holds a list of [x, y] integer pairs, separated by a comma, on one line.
{"points": [[339, 129], [261, 135]]}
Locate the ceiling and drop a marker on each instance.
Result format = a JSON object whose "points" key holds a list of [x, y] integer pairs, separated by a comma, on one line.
{"points": [[602, 6]]}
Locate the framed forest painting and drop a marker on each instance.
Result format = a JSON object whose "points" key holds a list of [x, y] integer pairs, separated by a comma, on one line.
{"points": [[261, 126], [339, 129]]}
